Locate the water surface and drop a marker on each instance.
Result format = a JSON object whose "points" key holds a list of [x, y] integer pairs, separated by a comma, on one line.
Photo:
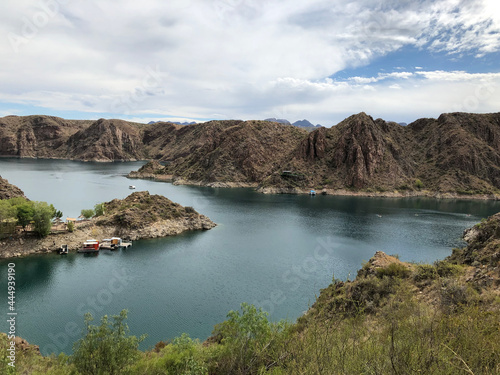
{"points": [[276, 251]]}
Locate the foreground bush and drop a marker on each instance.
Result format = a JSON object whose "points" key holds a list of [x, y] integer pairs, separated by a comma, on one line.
{"points": [[107, 348]]}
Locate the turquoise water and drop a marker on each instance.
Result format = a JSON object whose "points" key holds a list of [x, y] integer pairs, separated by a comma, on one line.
{"points": [[276, 251]]}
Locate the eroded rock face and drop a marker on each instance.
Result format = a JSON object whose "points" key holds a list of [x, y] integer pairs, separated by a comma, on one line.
{"points": [[457, 153], [8, 190], [22, 345]]}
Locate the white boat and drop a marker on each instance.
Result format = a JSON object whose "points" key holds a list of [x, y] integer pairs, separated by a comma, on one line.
{"points": [[131, 187], [312, 192]]}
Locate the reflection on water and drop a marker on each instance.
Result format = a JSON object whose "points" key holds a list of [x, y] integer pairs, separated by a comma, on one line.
{"points": [[276, 251]]}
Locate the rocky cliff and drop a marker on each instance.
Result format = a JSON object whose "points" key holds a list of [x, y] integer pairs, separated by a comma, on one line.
{"points": [[457, 152], [8, 190]]}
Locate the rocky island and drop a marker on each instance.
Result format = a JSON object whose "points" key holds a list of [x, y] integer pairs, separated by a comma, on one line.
{"points": [[139, 216]]}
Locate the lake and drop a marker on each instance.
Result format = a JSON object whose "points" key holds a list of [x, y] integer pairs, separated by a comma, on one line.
{"points": [[276, 251]]}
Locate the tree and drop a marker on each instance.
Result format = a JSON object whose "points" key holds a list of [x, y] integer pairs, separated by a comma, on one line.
{"points": [[71, 226], [24, 213], [107, 348], [7, 218], [87, 213], [99, 209], [56, 214], [42, 217], [245, 336]]}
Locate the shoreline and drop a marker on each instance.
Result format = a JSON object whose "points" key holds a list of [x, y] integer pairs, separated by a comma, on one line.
{"points": [[25, 245], [302, 191]]}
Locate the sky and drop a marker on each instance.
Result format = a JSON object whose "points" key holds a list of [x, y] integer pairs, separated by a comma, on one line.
{"points": [[199, 60]]}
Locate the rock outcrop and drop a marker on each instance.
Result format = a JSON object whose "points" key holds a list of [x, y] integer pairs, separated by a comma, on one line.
{"points": [[139, 216], [8, 190]]}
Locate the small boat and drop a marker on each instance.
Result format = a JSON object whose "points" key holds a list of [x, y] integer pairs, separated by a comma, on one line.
{"points": [[63, 249], [312, 192], [131, 187], [90, 246]]}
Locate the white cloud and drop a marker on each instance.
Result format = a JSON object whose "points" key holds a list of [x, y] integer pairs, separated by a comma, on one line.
{"points": [[233, 58]]}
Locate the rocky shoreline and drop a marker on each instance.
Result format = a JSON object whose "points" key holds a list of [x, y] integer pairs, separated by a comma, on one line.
{"points": [[139, 216], [24, 245], [300, 191]]}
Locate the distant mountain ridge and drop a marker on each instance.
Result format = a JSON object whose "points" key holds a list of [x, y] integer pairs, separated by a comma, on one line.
{"points": [[174, 122], [301, 123], [458, 152]]}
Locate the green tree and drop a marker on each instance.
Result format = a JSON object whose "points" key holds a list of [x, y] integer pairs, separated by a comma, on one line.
{"points": [[56, 214], [107, 348], [7, 218], [99, 209], [245, 336], [71, 226], [24, 213], [87, 213], [42, 217]]}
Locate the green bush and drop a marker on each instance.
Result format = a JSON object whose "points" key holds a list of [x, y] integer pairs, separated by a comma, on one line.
{"points": [[447, 269], [71, 226], [87, 213], [425, 272], [99, 209], [246, 338], [418, 184], [396, 270], [107, 348]]}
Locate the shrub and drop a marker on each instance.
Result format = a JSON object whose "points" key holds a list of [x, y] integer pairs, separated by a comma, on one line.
{"points": [[99, 209], [244, 337], [107, 348], [87, 213], [189, 210], [71, 226], [396, 270], [419, 184], [425, 272], [446, 269]]}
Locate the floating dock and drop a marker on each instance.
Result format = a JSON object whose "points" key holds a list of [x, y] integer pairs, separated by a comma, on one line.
{"points": [[114, 244]]}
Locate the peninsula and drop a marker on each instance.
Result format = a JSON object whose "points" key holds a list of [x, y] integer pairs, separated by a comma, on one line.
{"points": [[139, 216]]}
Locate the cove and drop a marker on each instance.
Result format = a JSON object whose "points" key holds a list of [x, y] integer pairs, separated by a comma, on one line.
{"points": [[276, 251]]}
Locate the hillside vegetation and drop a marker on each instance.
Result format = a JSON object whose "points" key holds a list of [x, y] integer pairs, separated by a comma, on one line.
{"points": [[394, 318]]}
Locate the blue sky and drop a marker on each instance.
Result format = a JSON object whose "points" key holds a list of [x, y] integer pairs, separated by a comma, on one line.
{"points": [[322, 60]]}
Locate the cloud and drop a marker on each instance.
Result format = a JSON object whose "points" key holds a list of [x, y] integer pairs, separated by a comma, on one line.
{"points": [[232, 58]]}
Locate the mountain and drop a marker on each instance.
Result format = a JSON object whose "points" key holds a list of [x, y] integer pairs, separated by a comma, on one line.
{"points": [[457, 152], [278, 120], [305, 124], [174, 122]]}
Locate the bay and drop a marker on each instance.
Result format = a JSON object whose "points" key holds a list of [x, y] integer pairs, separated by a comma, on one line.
{"points": [[276, 251]]}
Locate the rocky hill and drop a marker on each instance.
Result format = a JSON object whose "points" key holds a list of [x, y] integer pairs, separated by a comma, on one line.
{"points": [[138, 216], [8, 190], [457, 153]]}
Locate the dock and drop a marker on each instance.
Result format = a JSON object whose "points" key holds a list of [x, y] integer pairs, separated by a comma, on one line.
{"points": [[93, 246], [114, 244]]}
